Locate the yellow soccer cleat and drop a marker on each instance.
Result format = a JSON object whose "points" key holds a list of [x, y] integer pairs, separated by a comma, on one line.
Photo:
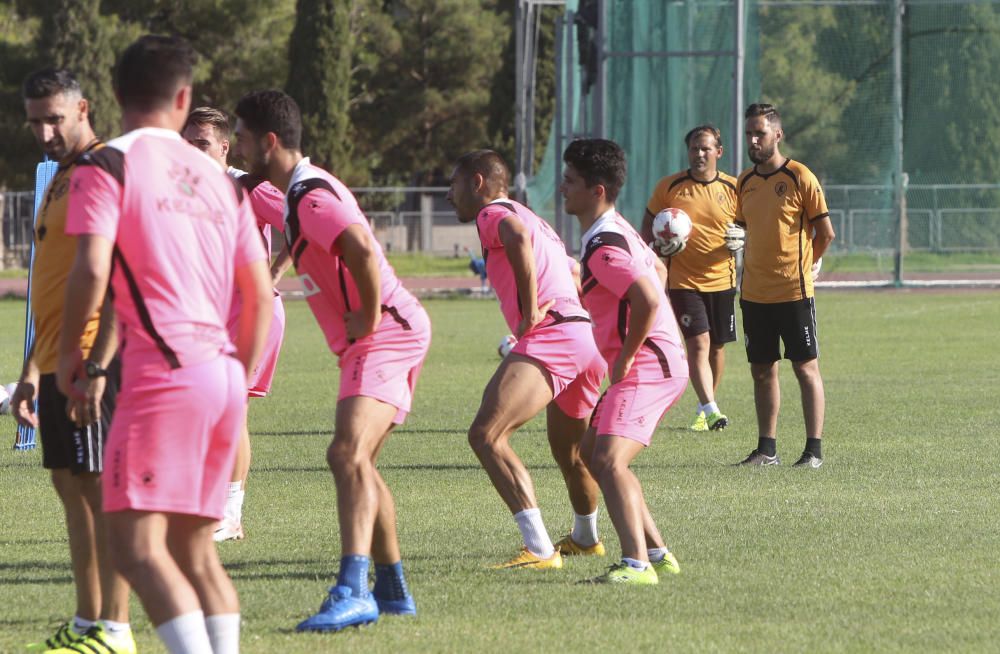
{"points": [[64, 636], [623, 573], [531, 561], [700, 422], [667, 565], [98, 641], [569, 547]]}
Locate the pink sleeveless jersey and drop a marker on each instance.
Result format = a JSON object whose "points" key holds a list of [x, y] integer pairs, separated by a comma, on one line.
{"points": [[553, 268], [614, 258], [181, 228], [318, 208]]}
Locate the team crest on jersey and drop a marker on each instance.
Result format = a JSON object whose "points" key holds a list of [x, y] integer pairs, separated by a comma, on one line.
{"points": [[780, 188], [720, 198]]}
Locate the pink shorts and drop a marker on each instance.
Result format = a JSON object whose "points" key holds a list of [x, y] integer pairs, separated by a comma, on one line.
{"points": [[386, 367], [568, 352], [173, 439], [259, 380], [634, 406]]}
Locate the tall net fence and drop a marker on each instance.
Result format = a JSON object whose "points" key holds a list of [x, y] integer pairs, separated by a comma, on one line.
{"points": [[892, 103]]}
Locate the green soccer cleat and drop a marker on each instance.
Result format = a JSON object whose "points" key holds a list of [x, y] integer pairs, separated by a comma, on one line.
{"points": [[623, 573], [716, 422], [699, 424], [98, 641], [667, 565], [64, 636]]}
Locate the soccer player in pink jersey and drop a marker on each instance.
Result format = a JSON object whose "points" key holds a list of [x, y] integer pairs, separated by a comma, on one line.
{"points": [[178, 234], [380, 334], [554, 366], [635, 329], [208, 130]]}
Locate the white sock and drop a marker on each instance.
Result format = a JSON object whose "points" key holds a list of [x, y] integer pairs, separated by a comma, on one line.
{"points": [[81, 625], [709, 408], [224, 633], [635, 563], [186, 634], [657, 554], [234, 503], [585, 529], [117, 631], [536, 539]]}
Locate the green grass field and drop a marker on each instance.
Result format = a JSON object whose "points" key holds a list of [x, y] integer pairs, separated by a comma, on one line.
{"points": [[891, 546]]}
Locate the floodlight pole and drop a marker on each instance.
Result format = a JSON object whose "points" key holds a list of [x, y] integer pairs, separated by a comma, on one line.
{"points": [[899, 178], [599, 128]]}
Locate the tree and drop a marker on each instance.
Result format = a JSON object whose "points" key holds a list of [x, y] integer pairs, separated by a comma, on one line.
{"points": [[319, 78], [74, 36]]}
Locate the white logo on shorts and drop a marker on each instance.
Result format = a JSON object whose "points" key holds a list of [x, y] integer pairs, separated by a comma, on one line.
{"points": [[309, 287], [686, 320]]}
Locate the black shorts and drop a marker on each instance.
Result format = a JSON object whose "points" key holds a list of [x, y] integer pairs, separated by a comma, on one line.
{"points": [[792, 322], [64, 445], [698, 312]]}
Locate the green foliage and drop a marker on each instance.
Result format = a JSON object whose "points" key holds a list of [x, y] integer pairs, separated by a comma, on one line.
{"points": [[888, 547], [319, 78], [17, 34]]}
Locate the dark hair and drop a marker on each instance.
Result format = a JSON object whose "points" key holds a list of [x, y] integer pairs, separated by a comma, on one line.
{"points": [[209, 116], [768, 111], [599, 161], [151, 70], [704, 129], [272, 111], [47, 82], [490, 165]]}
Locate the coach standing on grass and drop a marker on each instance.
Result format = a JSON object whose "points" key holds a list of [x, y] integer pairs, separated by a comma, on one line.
{"points": [[782, 208], [58, 116]]}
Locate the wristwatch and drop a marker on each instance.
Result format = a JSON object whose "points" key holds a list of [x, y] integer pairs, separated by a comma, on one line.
{"points": [[93, 370]]}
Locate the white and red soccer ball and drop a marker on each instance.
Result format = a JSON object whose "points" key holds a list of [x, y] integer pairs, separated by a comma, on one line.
{"points": [[507, 344], [672, 224]]}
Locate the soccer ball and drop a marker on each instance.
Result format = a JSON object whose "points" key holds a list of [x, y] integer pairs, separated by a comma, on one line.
{"points": [[507, 344], [5, 394], [672, 223]]}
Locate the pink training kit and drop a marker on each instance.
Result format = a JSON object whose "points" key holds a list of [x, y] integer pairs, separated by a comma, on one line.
{"points": [[563, 342], [268, 205], [180, 229], [385, 364], [614, 258]]}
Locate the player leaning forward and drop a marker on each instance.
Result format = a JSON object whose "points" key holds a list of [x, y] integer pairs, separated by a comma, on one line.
{"points": [[555, 365], [179, 235], [702, 274], [635, 329], [379, 332], [788, 227]]}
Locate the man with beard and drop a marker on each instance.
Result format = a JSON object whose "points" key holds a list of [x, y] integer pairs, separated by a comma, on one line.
{"points": [[58, 116], [788, 228], [702, 277]]}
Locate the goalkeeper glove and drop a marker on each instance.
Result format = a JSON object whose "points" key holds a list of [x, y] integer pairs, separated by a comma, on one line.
{"points": [[735, 237]]}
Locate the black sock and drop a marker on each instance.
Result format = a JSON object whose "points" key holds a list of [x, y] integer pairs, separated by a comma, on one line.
{"points": [[814, 446], [766, 446]]}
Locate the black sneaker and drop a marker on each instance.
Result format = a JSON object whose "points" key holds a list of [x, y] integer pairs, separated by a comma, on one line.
{"points": [[808, 460], [758, 459]]}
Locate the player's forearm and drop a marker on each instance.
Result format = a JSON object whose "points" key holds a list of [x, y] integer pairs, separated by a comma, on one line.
{"points": [[517, 248], [821, 242], [84, 290], [643, 301], [30, 368], [646, 231], [255, 316], [106, 341], [661, 271], [281, 264], [363, 266]]}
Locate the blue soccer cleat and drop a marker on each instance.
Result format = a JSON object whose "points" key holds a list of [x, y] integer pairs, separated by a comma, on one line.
{"points": [[405, 606], [340, 609]]}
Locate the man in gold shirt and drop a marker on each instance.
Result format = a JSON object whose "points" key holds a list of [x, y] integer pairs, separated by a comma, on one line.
{"points": [[57, 114], [702, 276], [788, 228]]}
